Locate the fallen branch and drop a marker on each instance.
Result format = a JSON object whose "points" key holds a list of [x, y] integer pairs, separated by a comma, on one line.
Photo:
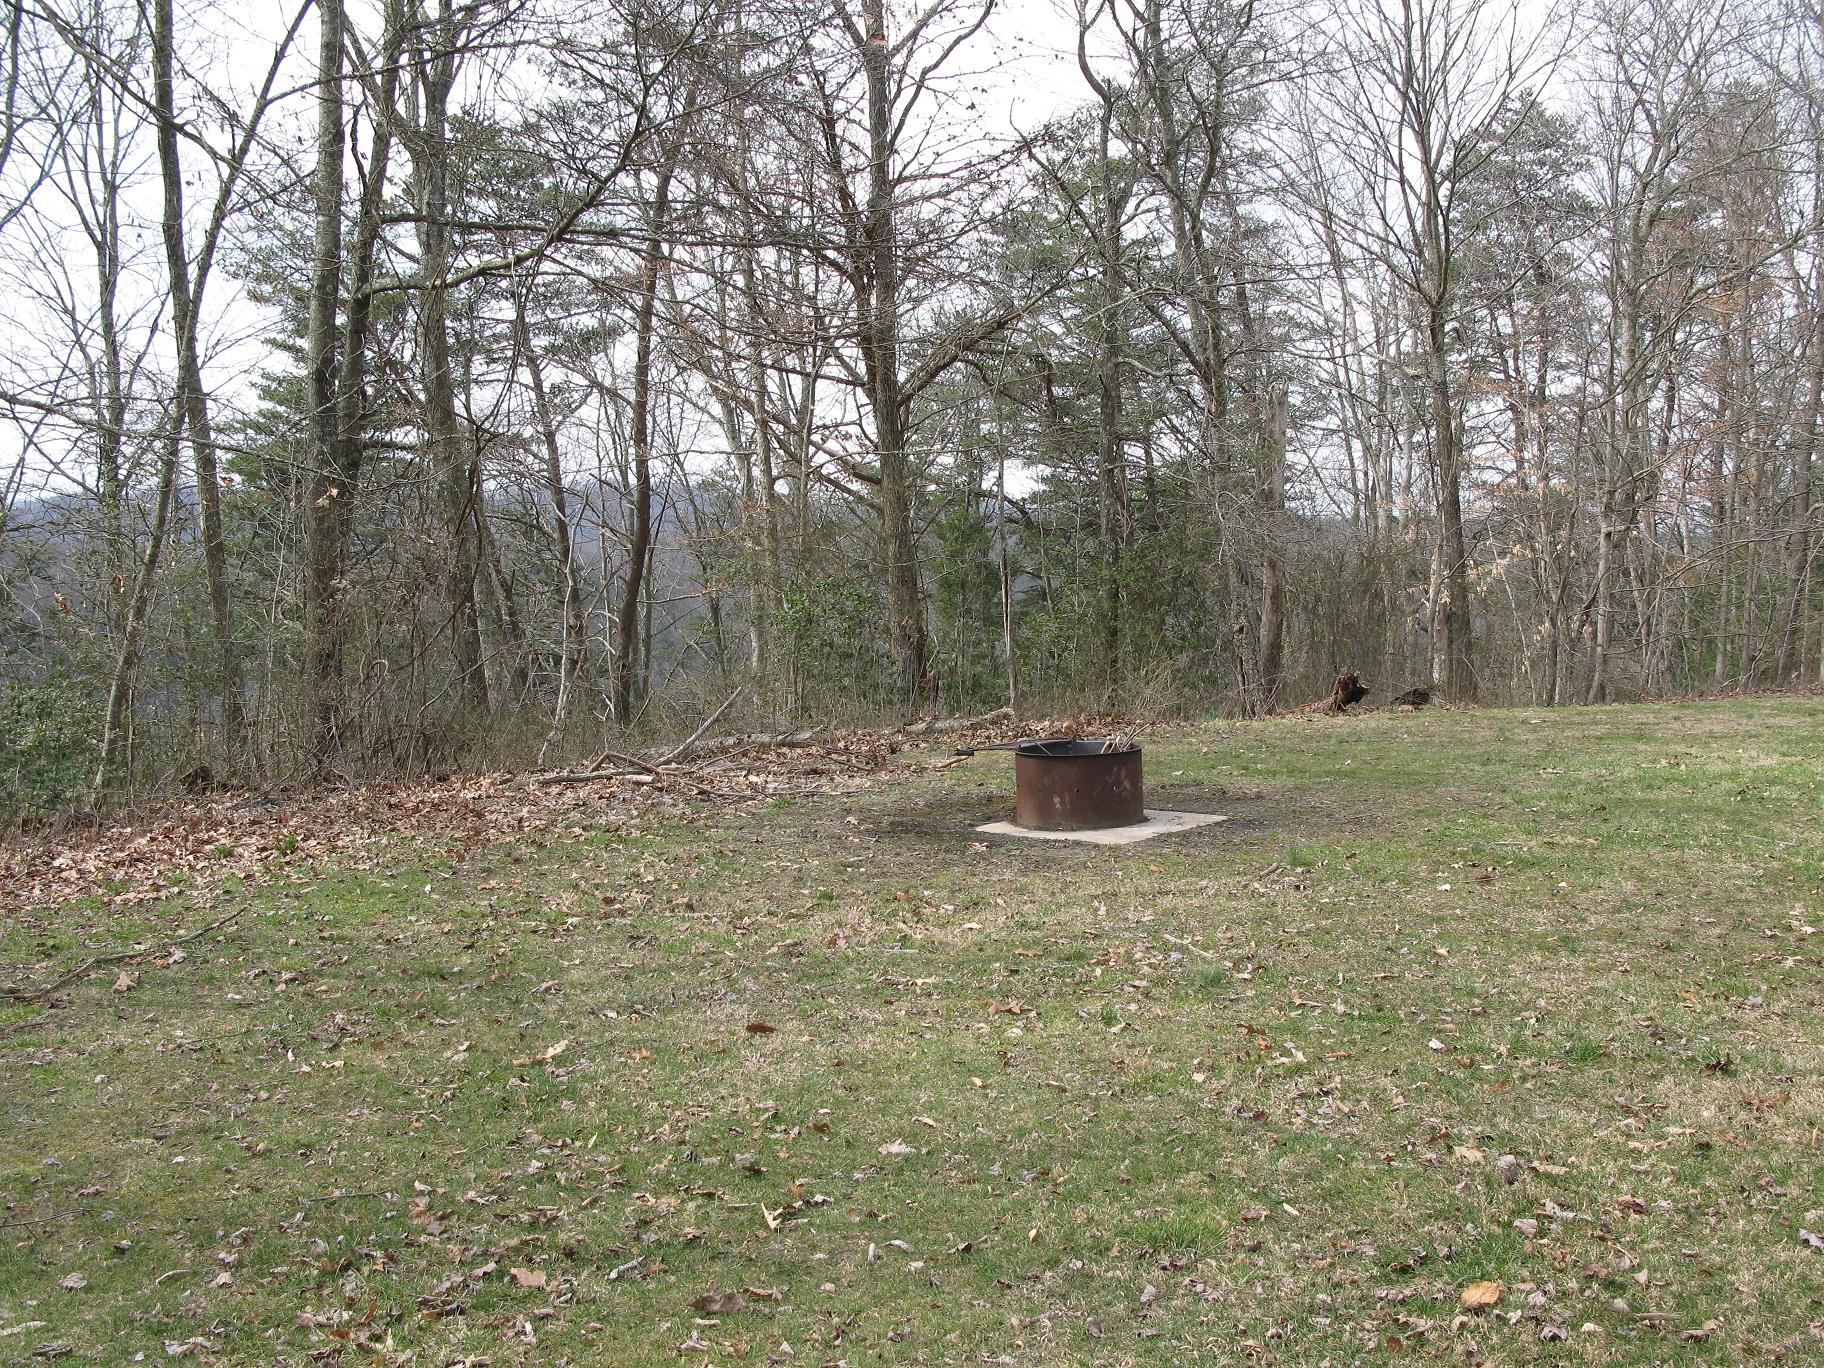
{"points": [[717, 745], [697, 735], [96, 961], [657, 773], [632, 768], [939, 726], [807, 736], [633, 762], [614, 765], [586, 776]]}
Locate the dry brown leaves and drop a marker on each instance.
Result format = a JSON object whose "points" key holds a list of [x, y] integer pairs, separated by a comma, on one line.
{"points": [[197, 844], [1479, 1296]]}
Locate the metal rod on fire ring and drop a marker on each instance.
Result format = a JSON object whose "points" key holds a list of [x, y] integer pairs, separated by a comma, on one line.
{"points": [[1015, 745]]}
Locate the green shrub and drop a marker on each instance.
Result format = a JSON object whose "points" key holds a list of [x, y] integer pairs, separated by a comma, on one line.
{"points": [[48, 737], [832, 634]]}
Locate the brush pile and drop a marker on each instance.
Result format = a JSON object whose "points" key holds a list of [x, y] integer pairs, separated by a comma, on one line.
{"points": [[204, 841]]}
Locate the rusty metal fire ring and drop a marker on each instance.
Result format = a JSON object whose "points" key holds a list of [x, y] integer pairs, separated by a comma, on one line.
{"points": [[1077, 786]]}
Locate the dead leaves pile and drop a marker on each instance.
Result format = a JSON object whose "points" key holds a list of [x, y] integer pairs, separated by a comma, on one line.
{"points": [[198, 844]]}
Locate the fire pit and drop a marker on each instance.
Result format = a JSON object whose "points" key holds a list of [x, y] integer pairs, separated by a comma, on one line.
{"points": [[1077, 785]]}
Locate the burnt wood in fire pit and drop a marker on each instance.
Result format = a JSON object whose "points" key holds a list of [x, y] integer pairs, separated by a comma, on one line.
{"points": [[1077, 785]]}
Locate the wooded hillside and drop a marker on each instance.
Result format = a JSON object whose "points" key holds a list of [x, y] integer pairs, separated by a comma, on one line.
{"points": [[406, 385]]}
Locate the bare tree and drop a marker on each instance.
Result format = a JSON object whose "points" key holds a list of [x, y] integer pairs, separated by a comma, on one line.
{"points": [[1418, 113]]}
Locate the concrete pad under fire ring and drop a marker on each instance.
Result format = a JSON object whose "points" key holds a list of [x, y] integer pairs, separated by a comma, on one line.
{"points": [[1156, 824]]}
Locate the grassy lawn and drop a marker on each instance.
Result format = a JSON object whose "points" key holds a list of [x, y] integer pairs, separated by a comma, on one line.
{"points": [[1522, 997]]}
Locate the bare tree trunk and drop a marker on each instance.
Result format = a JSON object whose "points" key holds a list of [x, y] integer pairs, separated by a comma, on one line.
{"points": [[880, 345], [768, 600], [574, 650], [116, 721], [111, 400], [1272, 573], [336, 363], [191, 396], [1111, 208], [1453, 647], [623, 668], [1798, 547], [458, 490], [1006, 566], [328, 489], [503, 608]]}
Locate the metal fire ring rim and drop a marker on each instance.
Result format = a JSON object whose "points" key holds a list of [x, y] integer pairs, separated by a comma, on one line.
{"points": [[1074, 748]]}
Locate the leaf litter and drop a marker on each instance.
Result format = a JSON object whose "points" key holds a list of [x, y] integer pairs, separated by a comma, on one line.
{"points": [[200, 843]]}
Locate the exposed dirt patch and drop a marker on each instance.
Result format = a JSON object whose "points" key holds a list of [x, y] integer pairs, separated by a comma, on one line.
{"points": [[948, 822]]}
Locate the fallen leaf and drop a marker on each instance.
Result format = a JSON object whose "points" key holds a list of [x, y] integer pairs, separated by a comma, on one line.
{"points": [[529, 1277], [760, 1028], [544, 1056], [125, 983], [1479, 1296], [1812, 1238], [897, 1147], [717, 1303], [75, 1282]]}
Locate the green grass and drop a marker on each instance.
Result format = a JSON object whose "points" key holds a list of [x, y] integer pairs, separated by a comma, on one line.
{"points": [[1238, 1095]]}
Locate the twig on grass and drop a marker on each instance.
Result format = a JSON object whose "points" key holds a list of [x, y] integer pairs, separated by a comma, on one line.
{"points": [[390, 1194], [1194, 949], [96, 961], [46, 1220]]}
